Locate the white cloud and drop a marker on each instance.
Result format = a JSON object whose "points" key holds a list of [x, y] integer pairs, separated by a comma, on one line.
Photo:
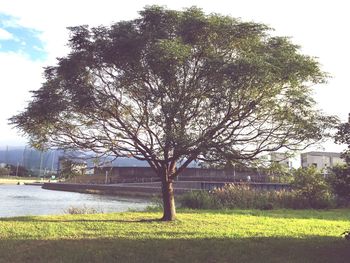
{"points": [[5, 35], [38, 48], [19, 75]]}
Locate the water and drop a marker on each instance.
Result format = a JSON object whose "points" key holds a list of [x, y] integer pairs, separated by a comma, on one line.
{"points": [[24, 200]]}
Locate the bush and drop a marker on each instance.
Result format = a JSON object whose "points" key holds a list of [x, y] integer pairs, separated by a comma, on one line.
{"points": [[199, 200], [312, 188], [156, 205], [243, 197], [339, 180], [82, 210]]}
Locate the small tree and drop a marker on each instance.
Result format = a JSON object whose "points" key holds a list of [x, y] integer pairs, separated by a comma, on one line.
{"points": [[70, 168], [340, 174], [343, 137], [340, 181], [4, 171], [171, 87], [16, 170], [311, 185], [279, 172]]}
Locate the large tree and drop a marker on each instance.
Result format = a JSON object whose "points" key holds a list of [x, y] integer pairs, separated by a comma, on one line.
{"points": [[171, 87]]}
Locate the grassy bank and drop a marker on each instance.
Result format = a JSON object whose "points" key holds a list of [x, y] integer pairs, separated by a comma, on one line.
{"points": [[15, 180], [197, 236]]}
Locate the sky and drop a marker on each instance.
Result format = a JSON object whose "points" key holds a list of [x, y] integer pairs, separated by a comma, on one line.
{"points": [[33, 34]]}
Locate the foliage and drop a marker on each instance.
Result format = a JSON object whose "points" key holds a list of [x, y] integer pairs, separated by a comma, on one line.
{"points": [[82, 210], [199, 200], [155, 206], [343, 137], [14, 170], [198, 236], [4, 171], [279, 173], [244, 197], [176, 86], [339, 179], [70, 168], [311, 185]]}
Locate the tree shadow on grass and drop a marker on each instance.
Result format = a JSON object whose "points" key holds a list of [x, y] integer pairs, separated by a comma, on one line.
{"points": [[177, 250]]}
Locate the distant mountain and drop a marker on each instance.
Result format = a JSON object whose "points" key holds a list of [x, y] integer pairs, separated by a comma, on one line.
{"points": [[33, 159], [30, 158]]}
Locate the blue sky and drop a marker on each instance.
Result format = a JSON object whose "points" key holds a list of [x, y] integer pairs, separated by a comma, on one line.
{"points": [[19, 39]]}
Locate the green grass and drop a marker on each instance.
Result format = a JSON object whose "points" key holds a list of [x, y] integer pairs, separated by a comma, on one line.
{"points": [[197, 236]]}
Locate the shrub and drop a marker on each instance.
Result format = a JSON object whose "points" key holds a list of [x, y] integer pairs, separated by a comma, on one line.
{"points": [[312, 188], [199, 200], [339, 180], [243, 197], [156, 205], [82, 210]]}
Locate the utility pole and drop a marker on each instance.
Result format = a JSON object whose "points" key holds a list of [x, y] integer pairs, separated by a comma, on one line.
{"points": [[234, 172], [24, 157], [41, 163], [7, 155], [7, 161], [17, 169], [53, 159], [106, 180]]}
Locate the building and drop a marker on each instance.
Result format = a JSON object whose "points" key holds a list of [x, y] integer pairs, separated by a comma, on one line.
{"points": [[281, 158], [321, 160], [277, 158]]}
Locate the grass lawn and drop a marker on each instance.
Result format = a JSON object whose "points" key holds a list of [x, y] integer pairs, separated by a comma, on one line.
{"points": [[197, 236]]}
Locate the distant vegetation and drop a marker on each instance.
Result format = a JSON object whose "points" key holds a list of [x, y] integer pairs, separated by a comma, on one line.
{"points": [[310, 189]]}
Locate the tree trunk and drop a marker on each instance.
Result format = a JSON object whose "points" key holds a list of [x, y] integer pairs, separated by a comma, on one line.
{"points": [[168, 200]]}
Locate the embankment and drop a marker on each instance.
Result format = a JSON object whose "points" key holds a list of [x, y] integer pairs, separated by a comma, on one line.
{"points": [[130, 189]]}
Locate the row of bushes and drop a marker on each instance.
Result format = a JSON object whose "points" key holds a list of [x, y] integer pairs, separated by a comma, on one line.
{"points": [[243, 197], [310, 190]]}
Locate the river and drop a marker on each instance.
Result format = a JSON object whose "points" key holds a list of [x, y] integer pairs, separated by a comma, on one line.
{"points": [[24, 200]]}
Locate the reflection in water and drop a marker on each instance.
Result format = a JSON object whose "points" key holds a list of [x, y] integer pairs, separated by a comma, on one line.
{"points": [[22, 200]]}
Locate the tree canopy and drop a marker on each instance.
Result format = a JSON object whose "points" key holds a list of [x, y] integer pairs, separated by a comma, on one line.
{"points": [[172, 86], [343, 137]]}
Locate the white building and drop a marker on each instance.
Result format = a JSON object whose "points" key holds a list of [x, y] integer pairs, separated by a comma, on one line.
{"points": [[278, 157], [281, 158], [321, 160]]}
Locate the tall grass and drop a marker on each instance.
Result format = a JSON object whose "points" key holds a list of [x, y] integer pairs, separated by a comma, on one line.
{"points": [[82, 210], [242, 196]]}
